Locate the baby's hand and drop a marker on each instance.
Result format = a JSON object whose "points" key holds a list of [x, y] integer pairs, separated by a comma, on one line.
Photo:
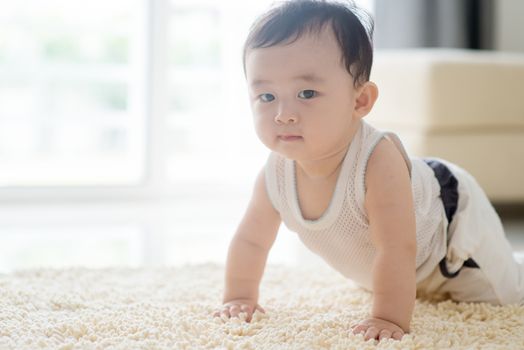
{"points": [[375, 328], [234, 307]]}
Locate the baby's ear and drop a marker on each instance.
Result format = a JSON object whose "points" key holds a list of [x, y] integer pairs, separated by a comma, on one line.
{"points": [[365, 97]]}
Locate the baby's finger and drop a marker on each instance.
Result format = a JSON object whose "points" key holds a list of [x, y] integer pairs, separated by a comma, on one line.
{"points": [[397, 335], [234, 310], [259, 308], [225, 313], [371, 333], [359, 328], [247, 310], [384, 334]]}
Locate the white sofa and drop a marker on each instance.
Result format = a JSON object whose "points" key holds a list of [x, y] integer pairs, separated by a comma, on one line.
{"points": [[462, 105]]}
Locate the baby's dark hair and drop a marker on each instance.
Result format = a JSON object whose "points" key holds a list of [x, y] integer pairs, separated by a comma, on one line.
{"points": [[288, 21]]}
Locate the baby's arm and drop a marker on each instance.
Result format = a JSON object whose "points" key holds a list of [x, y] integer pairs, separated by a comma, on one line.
{"points": [[248, 252], [389, 205]]}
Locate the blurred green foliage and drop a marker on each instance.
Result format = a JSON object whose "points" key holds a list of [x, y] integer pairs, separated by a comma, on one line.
{"points": [[63, 47], [111, 96], [68, 47]]}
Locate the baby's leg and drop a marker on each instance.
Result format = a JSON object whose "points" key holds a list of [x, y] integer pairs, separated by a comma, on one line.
{"points": [[474, 284], [477, 233], [471, 285]]}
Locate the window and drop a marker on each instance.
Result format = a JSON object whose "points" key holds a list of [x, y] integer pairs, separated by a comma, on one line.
{"points": [[70, 111]]}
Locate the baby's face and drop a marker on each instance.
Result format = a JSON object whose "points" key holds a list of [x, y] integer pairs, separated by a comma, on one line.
{"points": [[302, 89]]}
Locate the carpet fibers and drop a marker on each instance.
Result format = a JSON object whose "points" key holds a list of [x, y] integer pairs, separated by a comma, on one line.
{"points": [[170, 308]]}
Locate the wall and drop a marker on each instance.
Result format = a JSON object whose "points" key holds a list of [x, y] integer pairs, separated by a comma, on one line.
{"points": [[509, 26]]}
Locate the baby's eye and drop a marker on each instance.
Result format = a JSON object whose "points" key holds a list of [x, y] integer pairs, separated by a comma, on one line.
{"points": [[266, 97], [307, 94]]}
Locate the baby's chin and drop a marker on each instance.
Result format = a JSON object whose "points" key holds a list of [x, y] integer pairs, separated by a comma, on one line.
{"points": [[285, 153], [296, 156], [294, 150]]}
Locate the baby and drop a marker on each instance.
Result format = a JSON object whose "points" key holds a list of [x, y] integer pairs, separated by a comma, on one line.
{"points": [[398, 226]]}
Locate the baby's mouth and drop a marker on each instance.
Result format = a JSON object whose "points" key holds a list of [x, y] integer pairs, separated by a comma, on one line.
{"points": [[289, 137]]}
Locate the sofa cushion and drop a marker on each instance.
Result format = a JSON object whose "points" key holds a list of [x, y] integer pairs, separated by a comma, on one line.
{"points": [[449, 89]]}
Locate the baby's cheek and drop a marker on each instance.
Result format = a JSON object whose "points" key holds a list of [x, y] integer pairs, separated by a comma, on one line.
{"points": [[265, 136]]}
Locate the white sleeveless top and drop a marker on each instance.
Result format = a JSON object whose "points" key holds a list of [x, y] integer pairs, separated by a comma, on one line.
{"points": [[341, 236]]}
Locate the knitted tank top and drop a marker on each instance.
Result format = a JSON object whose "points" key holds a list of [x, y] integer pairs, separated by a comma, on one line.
{"points": [[341, 235]]}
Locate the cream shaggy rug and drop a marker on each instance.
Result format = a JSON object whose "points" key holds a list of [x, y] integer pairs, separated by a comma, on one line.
{"points": [[171, 309]]}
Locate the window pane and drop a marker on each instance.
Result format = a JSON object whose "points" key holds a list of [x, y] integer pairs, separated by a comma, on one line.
{"points": [[66, 81], [211, 137]]}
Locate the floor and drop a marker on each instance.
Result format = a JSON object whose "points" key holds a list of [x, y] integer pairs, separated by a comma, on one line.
{"points": [[143, 233]]}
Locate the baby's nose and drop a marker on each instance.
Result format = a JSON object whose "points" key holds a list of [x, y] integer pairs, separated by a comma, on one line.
{"points": [[286, 116]]}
